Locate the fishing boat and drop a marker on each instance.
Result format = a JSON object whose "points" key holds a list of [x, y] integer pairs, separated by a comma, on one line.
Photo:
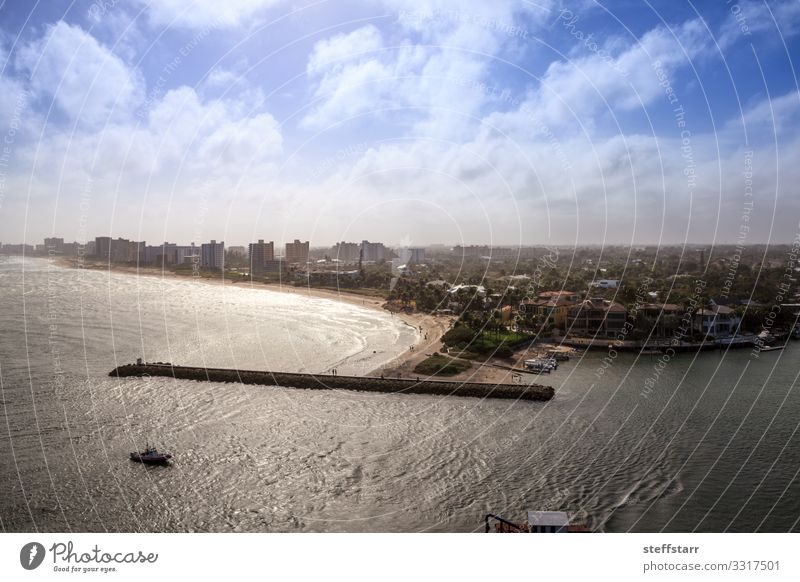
{"points": [[151, 456]]}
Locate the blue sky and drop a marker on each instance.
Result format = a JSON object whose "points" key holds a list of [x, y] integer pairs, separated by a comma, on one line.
{"points": [[403, 121]]}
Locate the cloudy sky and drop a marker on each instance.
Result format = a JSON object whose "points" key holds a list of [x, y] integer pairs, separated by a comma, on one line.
{"points": [[404, 121]]}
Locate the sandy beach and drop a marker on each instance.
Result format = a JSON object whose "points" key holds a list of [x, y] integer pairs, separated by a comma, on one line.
{"points": [[430, 328]]}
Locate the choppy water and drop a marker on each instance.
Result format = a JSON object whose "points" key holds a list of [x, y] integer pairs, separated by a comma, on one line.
{"points": [[713, 448]]}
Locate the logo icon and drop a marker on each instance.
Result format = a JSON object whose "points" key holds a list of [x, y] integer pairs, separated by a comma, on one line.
{"points": [[31, 555]]}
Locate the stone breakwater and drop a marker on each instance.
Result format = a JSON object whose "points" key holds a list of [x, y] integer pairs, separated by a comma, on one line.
{"points": [[327, 382]]}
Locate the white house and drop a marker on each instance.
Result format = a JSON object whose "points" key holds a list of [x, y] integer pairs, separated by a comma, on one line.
{"points": [[606, 283], [717, 321]]}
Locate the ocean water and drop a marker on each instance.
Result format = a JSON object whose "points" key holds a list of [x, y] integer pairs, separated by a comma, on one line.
{"points": [[713, 446]]}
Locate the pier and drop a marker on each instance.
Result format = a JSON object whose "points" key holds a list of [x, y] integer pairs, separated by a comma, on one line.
{"points": [[426, 386]]}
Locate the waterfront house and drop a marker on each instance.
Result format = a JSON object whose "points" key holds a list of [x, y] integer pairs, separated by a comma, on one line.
{"points": [[663, 319], [717, 321], [551, 305], [597, 317]]}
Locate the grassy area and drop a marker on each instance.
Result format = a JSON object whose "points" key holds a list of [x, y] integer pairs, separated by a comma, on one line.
{"points": [[439, 365], [487, 343], [510, 338]]}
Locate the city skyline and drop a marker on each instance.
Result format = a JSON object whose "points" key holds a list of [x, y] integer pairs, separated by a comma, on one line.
{"points": [[507, 124], [279, 246]]}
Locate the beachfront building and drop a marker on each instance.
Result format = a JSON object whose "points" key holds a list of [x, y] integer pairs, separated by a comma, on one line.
{"points": [[212, 255], [54, 245], [296, 252], [187, 254], [597, 317], [161, 255], [120, 250], [260, 253]]}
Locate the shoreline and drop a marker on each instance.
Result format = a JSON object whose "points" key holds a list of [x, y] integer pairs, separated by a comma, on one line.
{"points": [[424, 324]]}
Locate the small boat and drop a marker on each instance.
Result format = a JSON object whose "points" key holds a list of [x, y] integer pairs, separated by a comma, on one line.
{"points": [[541, 366], [771, 348], [151, 456]]}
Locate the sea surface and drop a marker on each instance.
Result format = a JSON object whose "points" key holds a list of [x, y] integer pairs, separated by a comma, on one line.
{"points": [[712, 446]]}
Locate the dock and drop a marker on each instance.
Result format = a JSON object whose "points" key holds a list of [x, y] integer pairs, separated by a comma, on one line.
{"points": [[425, 385]]}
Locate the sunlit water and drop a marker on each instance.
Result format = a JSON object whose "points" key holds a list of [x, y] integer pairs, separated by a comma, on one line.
{"points": [[714, 447]]}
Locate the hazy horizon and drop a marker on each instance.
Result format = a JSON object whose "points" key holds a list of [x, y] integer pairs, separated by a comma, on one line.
{"points": [[408, 123]]}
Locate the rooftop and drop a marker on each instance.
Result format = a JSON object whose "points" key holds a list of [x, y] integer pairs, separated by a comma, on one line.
{"points": [[548, 518]]}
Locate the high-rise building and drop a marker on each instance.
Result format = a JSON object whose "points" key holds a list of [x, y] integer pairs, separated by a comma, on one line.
{"points": [[102, 247], [119, 250], [417, 255], [135, 251], [212, 255], [54, 245], [296, 252], [345, 252], [187, 254], [372, 251], [165, 254], [260, 253]]}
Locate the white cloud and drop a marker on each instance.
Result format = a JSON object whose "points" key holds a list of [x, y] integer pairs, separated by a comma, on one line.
{"points": [[131, 155], [583, 86], [334, 53], [85, 80], [748, 18], [780, 115], [365, 71], [202, 14], [533, 186]]}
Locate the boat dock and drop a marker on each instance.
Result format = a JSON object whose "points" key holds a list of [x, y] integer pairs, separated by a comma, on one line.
{"points": [[424, 385]]}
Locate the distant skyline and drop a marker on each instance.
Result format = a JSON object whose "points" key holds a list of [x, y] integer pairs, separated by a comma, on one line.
{"points": [[408, 122]]}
